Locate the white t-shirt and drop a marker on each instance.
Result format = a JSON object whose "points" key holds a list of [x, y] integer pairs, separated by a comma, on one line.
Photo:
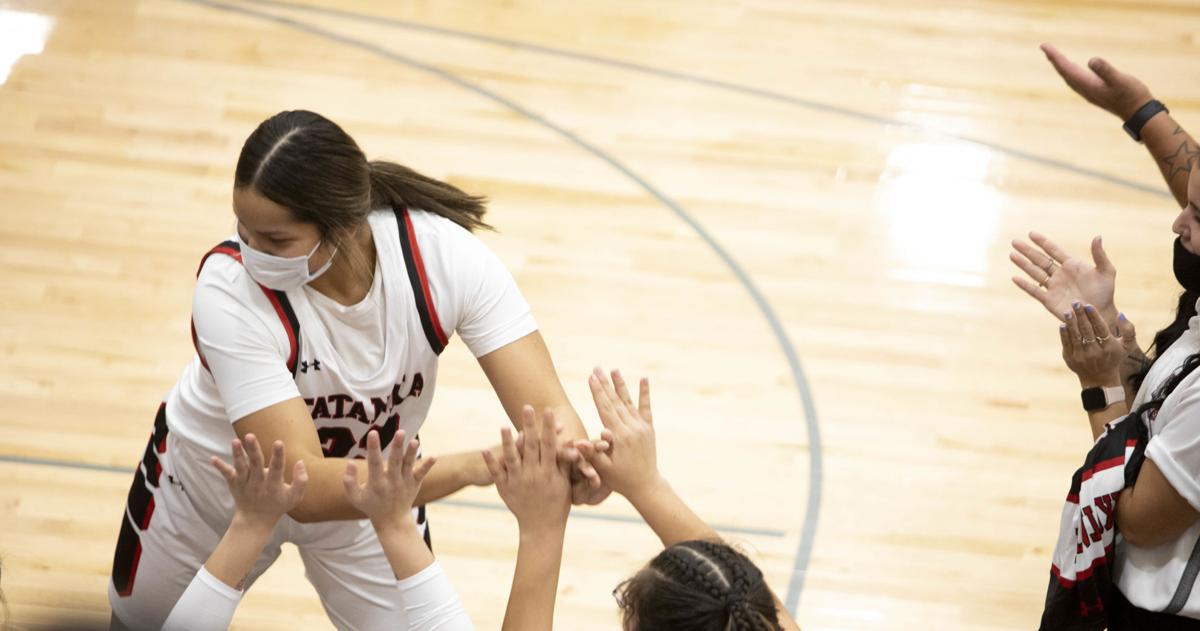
{"points": [[368, 365], [1150, 577], [425, 601]]}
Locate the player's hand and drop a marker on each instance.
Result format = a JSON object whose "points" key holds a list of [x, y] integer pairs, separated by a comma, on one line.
{"points": [[531, 480], [1090, 350], [259, 491], [626, 456], [1101, 84], [586, 486], [387, 496], [1057, 280]]}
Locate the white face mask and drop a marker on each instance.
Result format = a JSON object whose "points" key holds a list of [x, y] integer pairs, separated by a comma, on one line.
{"points": [[277, 272]]}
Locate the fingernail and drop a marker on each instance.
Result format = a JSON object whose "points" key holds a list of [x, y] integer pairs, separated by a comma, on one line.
{"points": [[1122, 317], [1068, 315], [1089, 308], [1075, 304], [1062, 327]]}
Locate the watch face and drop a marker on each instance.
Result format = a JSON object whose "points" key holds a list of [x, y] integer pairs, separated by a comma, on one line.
{"points": [[1094, 399]]}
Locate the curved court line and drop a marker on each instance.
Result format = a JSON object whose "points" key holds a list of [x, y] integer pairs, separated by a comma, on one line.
{"points": [[729, 86], [88, 466], [813, 507]]}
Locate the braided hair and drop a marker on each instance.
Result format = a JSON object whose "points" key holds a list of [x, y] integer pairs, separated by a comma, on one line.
{"points": [[698, 586]]}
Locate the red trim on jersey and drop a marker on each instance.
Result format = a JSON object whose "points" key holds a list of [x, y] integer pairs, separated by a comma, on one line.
{"points": [[1081, 575], [149, 513], [228, 248], [1102, 466], [420, 265], [220, 249], [293, 344], [137, 557]]}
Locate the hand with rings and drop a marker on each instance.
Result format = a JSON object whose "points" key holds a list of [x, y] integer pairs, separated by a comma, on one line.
{"points": [[1090, 349], [1059, 280]]}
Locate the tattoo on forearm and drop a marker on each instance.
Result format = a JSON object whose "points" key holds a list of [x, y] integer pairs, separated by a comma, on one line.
{"points": [[1185, 157], [1178, 130]]}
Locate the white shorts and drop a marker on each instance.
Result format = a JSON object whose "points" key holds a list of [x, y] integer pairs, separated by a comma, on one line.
{"points": [[175, 516]]}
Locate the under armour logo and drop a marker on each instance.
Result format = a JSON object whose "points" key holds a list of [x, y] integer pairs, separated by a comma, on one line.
{"points": [[305, 365]]}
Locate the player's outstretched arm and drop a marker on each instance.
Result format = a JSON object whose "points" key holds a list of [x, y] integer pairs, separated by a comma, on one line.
{"points": [[262, 497], [627, 461], [536, 487], [425, 596], [1122, 95]]}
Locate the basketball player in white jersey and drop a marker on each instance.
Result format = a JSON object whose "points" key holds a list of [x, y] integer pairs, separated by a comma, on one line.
{"points": [[319, 319]]}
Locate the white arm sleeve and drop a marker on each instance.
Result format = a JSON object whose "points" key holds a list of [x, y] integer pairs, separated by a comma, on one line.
{"points": [[430, 602], [1176, 449], [206, 605], [241, 339], [473, 291]]}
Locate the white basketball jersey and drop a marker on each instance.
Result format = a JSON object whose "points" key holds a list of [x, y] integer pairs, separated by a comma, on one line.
{"points": [[257, 347]]}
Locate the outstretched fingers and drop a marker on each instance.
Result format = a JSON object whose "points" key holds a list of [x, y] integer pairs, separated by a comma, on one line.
{"points": [[644, 401], [1051, 248]]}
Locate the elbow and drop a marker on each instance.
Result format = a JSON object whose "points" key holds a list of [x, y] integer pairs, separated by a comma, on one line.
{"points": [[1144, 533]]}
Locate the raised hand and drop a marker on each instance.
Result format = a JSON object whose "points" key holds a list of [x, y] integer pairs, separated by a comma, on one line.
{"points": [[630, 461], [388, 494], [1059, 280], [1101, 84], [1089, 348], [534, 485], [259, 492]]}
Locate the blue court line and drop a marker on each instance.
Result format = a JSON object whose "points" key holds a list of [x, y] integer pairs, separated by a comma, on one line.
{"points": [[575, 514], [728, 86], [813, 505]]}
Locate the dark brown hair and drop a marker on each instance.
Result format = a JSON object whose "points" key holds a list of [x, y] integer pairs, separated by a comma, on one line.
{"points": [[310, 166], [1185, 310], [698, 586]]}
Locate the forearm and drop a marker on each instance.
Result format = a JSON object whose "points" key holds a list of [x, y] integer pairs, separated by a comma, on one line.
{"points": [[406, 552], [452, 473], [668, 516], [238, 549], [325, 497], [535, 581], [1173, 151], [572, 425]]}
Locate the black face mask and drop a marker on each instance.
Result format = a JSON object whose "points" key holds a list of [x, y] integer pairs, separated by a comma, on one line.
{"points": [[1187, 267]]}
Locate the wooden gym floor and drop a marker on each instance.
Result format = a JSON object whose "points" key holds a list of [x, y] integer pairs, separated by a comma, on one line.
{"points": [[792, 215]]}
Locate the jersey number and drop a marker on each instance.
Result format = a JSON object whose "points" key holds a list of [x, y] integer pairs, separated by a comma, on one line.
{"points": [[336, 442]]}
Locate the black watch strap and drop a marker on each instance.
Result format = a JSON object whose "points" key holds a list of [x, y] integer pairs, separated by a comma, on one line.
{"points": [[1134, 125], [1093, 399], [1096, 399]]}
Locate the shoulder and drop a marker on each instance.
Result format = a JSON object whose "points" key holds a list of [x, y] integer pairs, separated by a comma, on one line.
{"points": [[223, 286]]}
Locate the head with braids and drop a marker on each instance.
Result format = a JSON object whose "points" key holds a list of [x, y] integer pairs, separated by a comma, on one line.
{"points": [[698, 586]]}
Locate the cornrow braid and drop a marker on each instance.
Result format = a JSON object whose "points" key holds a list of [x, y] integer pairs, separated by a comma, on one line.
{"points": [[748, 609], [685, 572], [698, 586]]}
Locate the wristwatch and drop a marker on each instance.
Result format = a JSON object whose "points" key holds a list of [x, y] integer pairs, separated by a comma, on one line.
{"points": [[1134, 125], [1096, 399]]}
